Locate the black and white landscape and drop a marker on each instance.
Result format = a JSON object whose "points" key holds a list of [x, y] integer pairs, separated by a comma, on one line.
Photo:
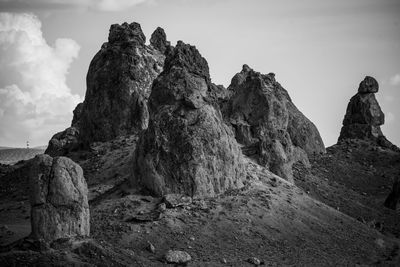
{"points": [[159, 165]]}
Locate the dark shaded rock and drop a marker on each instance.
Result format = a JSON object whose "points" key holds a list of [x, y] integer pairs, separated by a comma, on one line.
{"points": [[58, 198], [265, 119], [393, 198], [77, 114], [126, 34], [368, 85], [187, 148], [64, 142], [176, 200], [364, 116], [159, 40]]}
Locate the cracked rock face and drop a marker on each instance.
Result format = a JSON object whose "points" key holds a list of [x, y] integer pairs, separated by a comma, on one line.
{"points": [[268, 124], [187, 148], [119, 83], [364, 116], [59, 199]]}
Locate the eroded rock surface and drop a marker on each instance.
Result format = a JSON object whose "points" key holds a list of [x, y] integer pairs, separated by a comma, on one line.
{"points": [[119, 83], [364, 116], [268, 124], [59, 199], [187, 149]]}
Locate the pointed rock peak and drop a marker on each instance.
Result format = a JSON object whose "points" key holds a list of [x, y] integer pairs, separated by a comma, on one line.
{"points": [[159, 40], [246, 68], [127, 33], [368, 85], [187, 57]]}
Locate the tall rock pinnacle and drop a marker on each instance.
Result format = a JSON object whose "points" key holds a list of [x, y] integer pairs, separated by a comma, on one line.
{"points": [[119, 83], [187, 147], [364, 115]]}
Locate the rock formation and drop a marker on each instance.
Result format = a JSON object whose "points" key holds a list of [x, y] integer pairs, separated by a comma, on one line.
{"points": [[187, 148], [364, 116], [119, 82], [59, 199], [393, 198], [268, 124]]}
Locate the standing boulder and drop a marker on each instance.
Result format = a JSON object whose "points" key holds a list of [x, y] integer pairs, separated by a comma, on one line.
{"points": [[364, 116], [268, 124], [187, 148], [59, 199]]}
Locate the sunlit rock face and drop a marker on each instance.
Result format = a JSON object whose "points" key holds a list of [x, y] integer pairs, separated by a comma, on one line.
{"points": [[364, 116], [187, 147], [59, 199], [119, 82], [268, 124]]}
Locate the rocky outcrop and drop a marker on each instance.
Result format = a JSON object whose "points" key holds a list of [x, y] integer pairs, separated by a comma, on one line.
{"points": [[59, 199], [268, 124], [64, 142], [159, 40], [119, 83], [364, 116], [187, 149]]}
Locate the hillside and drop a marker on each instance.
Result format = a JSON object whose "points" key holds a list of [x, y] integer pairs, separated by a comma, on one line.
{"points": [[13, 155]]}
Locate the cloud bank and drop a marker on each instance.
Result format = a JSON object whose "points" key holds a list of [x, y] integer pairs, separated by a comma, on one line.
{"points": [[102, 5], [35, 100]]}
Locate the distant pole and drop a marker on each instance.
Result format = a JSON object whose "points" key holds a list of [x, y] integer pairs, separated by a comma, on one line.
{"points": [[27, 144]]}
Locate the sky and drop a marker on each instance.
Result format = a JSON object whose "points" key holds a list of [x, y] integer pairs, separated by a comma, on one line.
{"points": [[319, 50]]}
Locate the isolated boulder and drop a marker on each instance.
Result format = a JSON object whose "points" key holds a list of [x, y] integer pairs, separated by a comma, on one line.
{"points": [[59, 199], [364, 116], [268, 124], [187, 148]]}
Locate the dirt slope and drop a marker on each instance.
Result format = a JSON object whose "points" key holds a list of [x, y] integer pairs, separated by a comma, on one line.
{"points": [[269, 219]]}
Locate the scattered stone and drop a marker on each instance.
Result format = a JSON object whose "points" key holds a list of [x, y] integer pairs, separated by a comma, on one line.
{"points": [[59, 199], [176, 200], [177, 257], [151, 248], [254, 260]]}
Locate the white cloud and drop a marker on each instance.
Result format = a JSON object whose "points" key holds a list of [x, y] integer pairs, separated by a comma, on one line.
{"points": [[395, 80], [103, 5], [35, 100], [115, 5]]}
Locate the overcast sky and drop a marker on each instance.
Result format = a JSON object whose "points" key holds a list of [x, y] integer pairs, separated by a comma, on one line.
{"points": [[319, 51]]}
